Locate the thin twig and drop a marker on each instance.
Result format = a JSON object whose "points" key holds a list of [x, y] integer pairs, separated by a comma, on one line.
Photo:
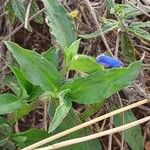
{"points": [[117, 44], [110, 135], [96, 135], [123, 119], [45, 116], [83, 125], [98, 24]]}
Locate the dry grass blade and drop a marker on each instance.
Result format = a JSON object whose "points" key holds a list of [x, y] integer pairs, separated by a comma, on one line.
{"points": [[98, 25], [83, 125], [94, 136], [27, 14]]}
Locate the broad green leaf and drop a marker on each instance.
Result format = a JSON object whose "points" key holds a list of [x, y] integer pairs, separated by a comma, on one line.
{"points": [[101, 84], [85, 64], [24, 83], [60, 23], [13, 84], [52, 56], [128, 50], [132, 136], [35, 92], [107, 26], [5, 132], [27, 90], [31, 136], [36, 68], [9, 103], [61, 111], [33, 10], [19, 9], [71, 51], [70, 121], [143, 34]]}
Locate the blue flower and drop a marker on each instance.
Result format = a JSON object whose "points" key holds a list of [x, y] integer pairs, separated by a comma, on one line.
{"points": [[108, 61]]}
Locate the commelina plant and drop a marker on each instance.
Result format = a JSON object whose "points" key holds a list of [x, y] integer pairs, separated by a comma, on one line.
{"points": [[39, 77]]}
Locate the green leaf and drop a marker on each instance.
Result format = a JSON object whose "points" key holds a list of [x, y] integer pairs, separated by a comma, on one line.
{"points": [[27, 90], [71, 51], [9, 103], [107, 26], [33, 10], [143, 34], [13, 84], [31, 136], [24, 83], [5, 132], [70, 121], [36, 68], [24, 110], [91, 110], [9, 12], [60, 23], [52, 56], [131, 11], [128, 50], [85, 64], [140, 24], [19, 9], [61, 111], [132, 136], [9, 145], [101, 84], [110, 3]]}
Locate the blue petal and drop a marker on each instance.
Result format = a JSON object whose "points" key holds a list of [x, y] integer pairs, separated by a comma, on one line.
{"points": [[109, 61]]}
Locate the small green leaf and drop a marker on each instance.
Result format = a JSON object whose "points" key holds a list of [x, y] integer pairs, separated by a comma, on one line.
{"points": [[31, 136], [85, 64], [101, 84], [110, 3], [128, 50], [60, 23], [36, 68], [52, 56], [143, 34], [9, 12], [24, 83], [13, 84], [140, 24], [72, 120], [33, 10], [5, 132], [107, 26], [9, 103], [71, 51], [19, 9], [61, 111], [132, 136]]}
